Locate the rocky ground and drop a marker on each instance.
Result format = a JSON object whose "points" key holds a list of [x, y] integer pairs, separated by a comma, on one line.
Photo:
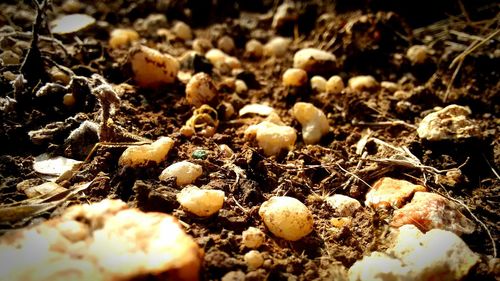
{"points": [[393, 106]]}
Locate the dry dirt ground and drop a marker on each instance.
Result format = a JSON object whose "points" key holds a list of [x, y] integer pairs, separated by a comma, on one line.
{"points": [[367, 37]]}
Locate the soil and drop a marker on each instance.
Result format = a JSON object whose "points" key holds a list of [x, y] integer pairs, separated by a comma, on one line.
{"points": [[367, 37]]}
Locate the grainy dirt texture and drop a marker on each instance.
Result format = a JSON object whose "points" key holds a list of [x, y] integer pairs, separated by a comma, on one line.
{"points": [[73, 95]]}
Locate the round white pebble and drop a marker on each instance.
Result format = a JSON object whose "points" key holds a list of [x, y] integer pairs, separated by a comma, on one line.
{"points": [[185, 172], [334, 85], [294, 77], [201, 202], [253, 259], [286, 217], [253, 238]]}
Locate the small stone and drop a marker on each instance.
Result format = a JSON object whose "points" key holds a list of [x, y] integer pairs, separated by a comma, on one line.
{"points": [[253, 259], [152, 68], [294, 77], [391, 87], [255, 108], [417, 54], [199, 154], [430, 210], [226, 44], [202, 45], [240, 86], [277, 47], [200, 90], [335, 85], [388, 192], [318, 84], [253, 238], [315, 61], [272, 135], [286, 217], [344, 205], [182, 30], [362, 83], [285, 15], [254, 49], [122, 37], [184, 172], [450, 122], [139, 155], [71, 23], [69, 100], [201, 202], [313, 121]]}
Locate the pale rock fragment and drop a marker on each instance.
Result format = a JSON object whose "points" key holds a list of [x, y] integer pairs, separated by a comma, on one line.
{"points": [[272, 135], [201, 202], [202, 45], [255, 108], [253, 238], [200, 90], [254, 49], [226, 44], [334, 85], [240, 86], [450, 122], [122, 37], [344, 205], [318, 84], [313, 120], [388, 192], [417, 257], [417, 54], [286, 217], [220, 59], [54, 166], [139, 155], [294, 77], [71, 23], [253, 259], [362, 83], [277, 46], [182, 30], [314, 60], [184, 172], [430, 210], [152, 68], [102, 241]]}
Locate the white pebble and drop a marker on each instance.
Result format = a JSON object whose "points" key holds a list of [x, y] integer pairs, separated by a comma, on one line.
{"points": [[200, 90], [318, 84], [313, 120], [202, 45], [152, 68], [294, 77], [344, 205], [140, 155], [253, 238], [277, 47], [254, 49], [417, 54], [216, 56], [201, 202], [286, 217], [451, 122], [182, 30], [184, 172], [253, 259], [255, 108], [272, 135], [389, 86], [362, 83], [226, 44], [335, 85], [241, 86], [314, 60]]}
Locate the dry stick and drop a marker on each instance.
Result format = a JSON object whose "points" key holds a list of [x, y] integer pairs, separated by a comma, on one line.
{"points": [[491, 167], [461, 57]]}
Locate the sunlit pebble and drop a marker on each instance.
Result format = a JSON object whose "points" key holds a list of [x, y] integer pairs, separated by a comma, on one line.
{"points": [[182, 30], [184, 172], [362, 83], [201, 202], [277, 46], [313, 121], [69, 100], [318, 84], [254, 49], [334, 85], [272, 135], [226, 44], [241, 86], [228, 109], [417, 54], [294, 77], [253, 259], [122, 37], [152, 68], [200, 90], [202, 45], [389, 86], [139, 155], [253, 238]]}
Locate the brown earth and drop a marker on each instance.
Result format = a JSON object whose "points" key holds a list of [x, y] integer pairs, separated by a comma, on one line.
{"points": [[380, 34]]}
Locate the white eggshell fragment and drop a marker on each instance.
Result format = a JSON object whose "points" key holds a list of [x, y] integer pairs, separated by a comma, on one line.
{"points": [[54, 166], [286, 217]]}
